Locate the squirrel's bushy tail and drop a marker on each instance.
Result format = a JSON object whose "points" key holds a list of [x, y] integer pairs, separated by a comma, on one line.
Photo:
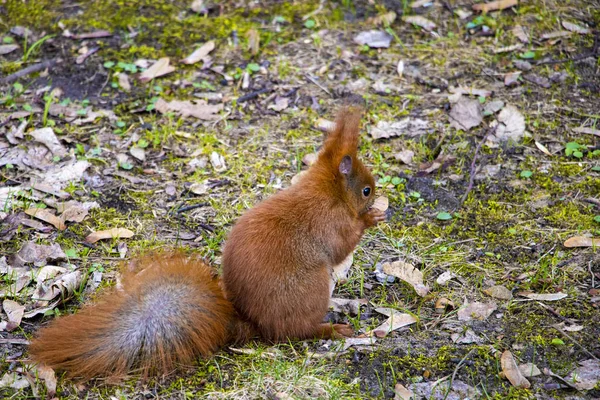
{"points": [[170, 310]]}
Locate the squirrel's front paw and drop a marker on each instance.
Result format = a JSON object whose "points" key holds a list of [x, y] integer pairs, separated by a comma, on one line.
{"points": [[373, 217]]}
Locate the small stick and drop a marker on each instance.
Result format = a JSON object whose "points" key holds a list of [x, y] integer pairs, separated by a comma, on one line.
{"points": [[192, 207], [31, 69], [576, 342], [472, 173], [253, 95], [313, 80]]}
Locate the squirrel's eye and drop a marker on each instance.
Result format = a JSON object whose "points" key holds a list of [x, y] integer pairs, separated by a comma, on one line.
{"points": [[366, 191]]}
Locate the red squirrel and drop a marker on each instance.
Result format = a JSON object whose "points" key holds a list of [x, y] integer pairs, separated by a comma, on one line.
{"points": [[275, 284]]}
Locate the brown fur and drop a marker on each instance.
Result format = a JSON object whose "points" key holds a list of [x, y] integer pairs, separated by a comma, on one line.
{"points": [[277, 257], [276, 273], [169, 312]]}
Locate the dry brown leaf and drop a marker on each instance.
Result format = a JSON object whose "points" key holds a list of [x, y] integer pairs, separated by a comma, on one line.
{"points": [[543, 296], [408, 126], [442, 303], [582, 241], [381, 203], [512, 372], [586, 376], [280, 104], [409, 274], [466, 114], [402, 393], [511, 126], [406, 156], [499, 292], [529, 370], [124, 81], [495, 5], [384, 19], [253, 41], [200, 53], [476, 310], [49, 377], [543, 148], [555, 35], [199, 188], [8, 48], [36, 254], [14, 311], [374, 38], [47, 137], [158, 69], [420, 21], [395, 321], [346, 306], [575, 28], [445, 277], [588, 131], [114, 233], [520, 33], [47, 216], [442, 161], [61, 287], [197, 109]]}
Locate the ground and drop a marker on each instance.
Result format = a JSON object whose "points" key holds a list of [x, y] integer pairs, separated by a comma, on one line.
{"points": [[493, 212]]}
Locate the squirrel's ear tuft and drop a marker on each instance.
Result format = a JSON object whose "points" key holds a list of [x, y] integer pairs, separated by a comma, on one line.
{"points": [[346, 165], [343, 139]]}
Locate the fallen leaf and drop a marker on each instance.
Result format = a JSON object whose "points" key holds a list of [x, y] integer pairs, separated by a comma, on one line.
{"points": [[114, 233], [409, 274], [281, 103], [512, 78], [499, 292], [586, 376], [49, 377], [47, 137], [374, 38], [588, 131], [158, 69], [197, 108], [467, 337], [452, 389], [543, 148], [442, 161], [253, 41], [62, 286], [395, 321], [14, 311], [406, 156], [476, 310], [325, 125], [442, 303], [13, 380], [138, 153], [60, 175], [445, 277], [49, 272], [555, 35], [400, 68], [582, 241], [492, 107], [37, 254], [346, 306], [45, 215], [420, 21], [339, 273], [512, 372], [512, 124], [495, 5], [402, 393], [408, 126], [218, 161], [199, 53], [544, 296], [124, 81], [381, 203], [463, 14], [520, 33], [529, 370], [358, 341], [8, 48], [575, 28], [384, 19], [470, 91], [538, 80], [508, 49], [466, 114]]}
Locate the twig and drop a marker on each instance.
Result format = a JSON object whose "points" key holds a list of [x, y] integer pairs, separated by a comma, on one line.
{"points": [[31, 69], [592, 273], [103, 85], [460, 364], [593, 53], [549, 372], [192, 207], [565, 334], [472, 172], [313, 80], [593, 201], [253, 95]]}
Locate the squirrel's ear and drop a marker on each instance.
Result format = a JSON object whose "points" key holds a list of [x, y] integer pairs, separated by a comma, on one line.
{"points": [[346, 165]]}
